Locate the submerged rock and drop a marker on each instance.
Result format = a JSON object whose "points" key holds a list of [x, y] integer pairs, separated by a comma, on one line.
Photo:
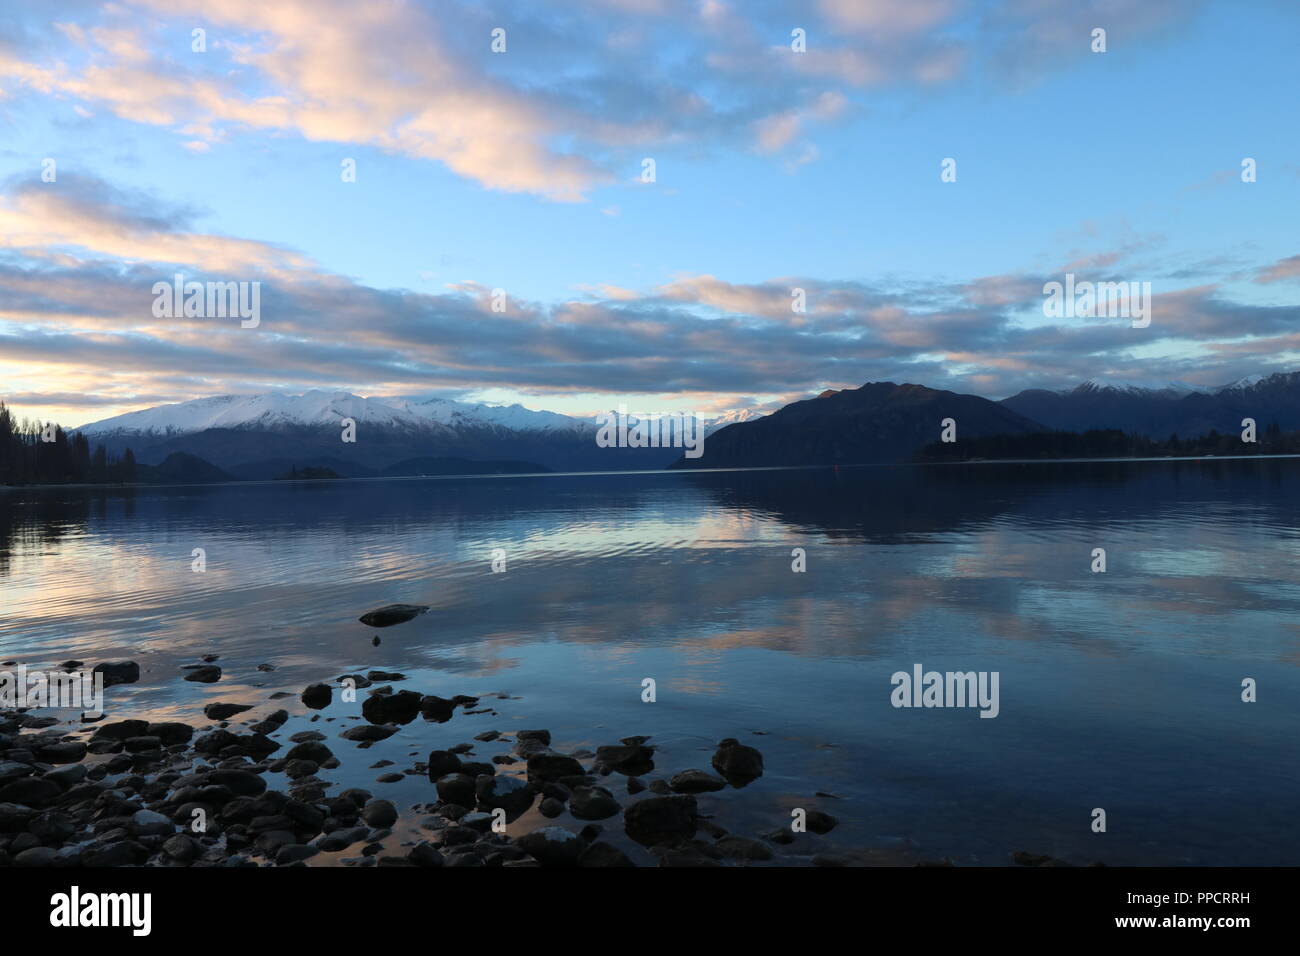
{"points": [[219, 711], [204, 674], [118, 672], [696, 781], [392, 614], [738, 763]]}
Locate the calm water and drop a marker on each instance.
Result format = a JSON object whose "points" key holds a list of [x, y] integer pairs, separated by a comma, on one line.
{"points": [[1118, 690]]}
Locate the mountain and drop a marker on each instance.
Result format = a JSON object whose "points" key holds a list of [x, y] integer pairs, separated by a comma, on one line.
{"points": [[180, 469], [264, 436], [879, 422], [1160, 412]]}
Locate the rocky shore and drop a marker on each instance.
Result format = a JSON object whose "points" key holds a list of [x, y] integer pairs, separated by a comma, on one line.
{"points": [[243, 787], [234, 790]]}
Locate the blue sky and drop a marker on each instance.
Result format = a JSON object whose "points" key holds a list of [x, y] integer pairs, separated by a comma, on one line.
{"points": [[520, 171]]}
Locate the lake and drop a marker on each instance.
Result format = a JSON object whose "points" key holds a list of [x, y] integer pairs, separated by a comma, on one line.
{"points": [[1119, 690]]}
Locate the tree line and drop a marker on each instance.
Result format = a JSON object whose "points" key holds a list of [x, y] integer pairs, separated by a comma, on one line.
{"points": [[1110, 443], [32, 453]]}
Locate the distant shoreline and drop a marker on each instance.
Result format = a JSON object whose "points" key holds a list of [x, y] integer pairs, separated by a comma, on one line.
{"points": [[644, 471]]}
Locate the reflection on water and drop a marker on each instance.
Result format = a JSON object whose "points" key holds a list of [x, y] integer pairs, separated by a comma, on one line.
{"points": [[1118, 690]]}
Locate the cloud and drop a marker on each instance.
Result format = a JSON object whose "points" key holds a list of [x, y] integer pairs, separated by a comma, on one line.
{"points": [[1281, 270], [79, 258], [565, 109]]}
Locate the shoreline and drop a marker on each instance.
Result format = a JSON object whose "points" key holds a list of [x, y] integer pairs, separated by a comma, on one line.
{"points": [[248, 785]]}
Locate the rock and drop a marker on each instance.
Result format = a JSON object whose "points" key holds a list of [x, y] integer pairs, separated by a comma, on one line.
{"points": [[425, 853], [737, 762], [41, 856], [379, 814], [399, 708], [601, 853], [310, 750], [169, 732], [689, 855], [68, 776], [435, 708], [657, 820], [69, 751], [14, 817], [392, 614], [553, 846], [551, 808], [151, 823], [696, 781], [181, 847], [297, 769], [368, 732], [547, 767], [593, 803], [206, 674], [317, 696], [293, 852], [743, 848], [120, 853], [52, 827], [457, 788], [121, 730], [224, 711], [482, 822], [632, 760], [441, 763], [139, 745], [341, 839], [780, 835], [242, 783], [118, 672], [12, 770], [510, 794], [31, 791], [635, 784], [819, 822], [215, 742]]}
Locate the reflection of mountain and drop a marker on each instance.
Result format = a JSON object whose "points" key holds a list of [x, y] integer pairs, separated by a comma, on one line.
{"points": [[879, 422]]}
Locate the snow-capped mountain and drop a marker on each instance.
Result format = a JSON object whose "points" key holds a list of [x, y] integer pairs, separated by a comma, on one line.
{"points": [[277, 410], [267, 434]]}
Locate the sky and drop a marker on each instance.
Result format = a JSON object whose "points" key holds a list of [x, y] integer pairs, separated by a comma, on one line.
{"points": [[502, 240]]}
